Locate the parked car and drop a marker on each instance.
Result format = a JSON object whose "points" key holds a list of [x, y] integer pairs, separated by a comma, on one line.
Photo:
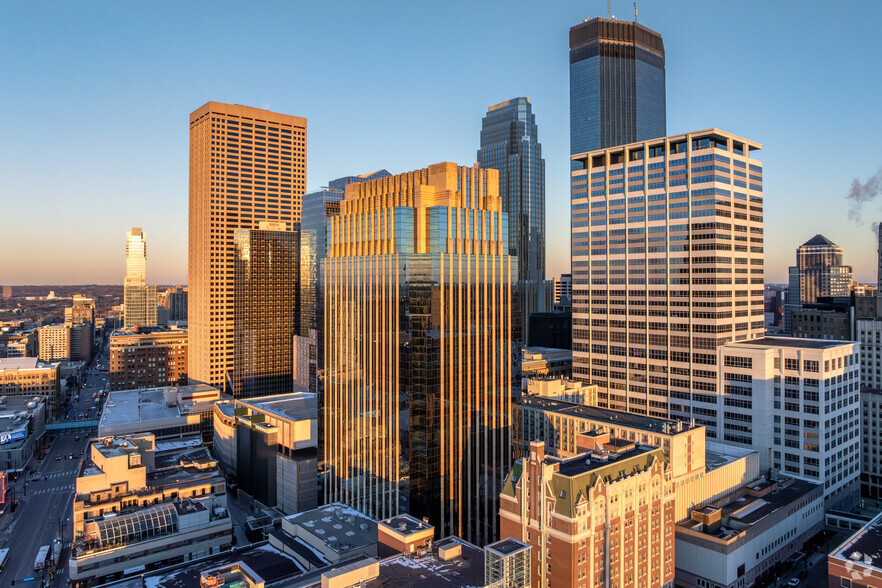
{"points": [[793, 582]]}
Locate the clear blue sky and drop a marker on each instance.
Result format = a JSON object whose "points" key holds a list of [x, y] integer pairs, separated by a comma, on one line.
{"points": [[96, 96]]}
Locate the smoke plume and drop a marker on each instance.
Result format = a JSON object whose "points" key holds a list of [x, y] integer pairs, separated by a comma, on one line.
{"points": [[862, 193]]}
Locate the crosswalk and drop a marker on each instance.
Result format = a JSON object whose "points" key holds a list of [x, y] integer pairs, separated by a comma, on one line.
{"points": [[55, 489], [58, 475]]}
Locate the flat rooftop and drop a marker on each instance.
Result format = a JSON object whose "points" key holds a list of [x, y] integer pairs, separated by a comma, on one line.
{"points": [[507, 546], [585, 463], [864, 548], [297, 406], [137, 406], [430, 572], [15, 413], [793, 342], [405, 524], [717, 455], [22, 363], [611, 417], [341, 528]]}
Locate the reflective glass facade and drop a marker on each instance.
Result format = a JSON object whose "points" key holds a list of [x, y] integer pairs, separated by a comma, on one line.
{"points": [[510, 144], [265, 311], [617, 84], [418, 322]]}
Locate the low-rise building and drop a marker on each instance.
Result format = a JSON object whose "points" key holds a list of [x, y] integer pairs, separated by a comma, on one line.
{"points": [[606, 515], [22, 425], [146, 357], [577, 391], [18, 344], [796, 402], [269, 444], [546, 361], [507, 564], [28, 376], [169, 412], [137, 507], [857, 563]]}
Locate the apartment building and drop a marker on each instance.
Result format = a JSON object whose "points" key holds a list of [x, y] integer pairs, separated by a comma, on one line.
{"points": [[148, 357], [28, 376]]}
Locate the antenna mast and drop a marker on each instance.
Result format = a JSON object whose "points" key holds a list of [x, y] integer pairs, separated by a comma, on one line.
{"points": [[608, 9], [635, 10]]}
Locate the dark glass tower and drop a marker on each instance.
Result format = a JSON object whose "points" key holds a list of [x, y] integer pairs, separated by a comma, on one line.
{"points": [[510, 144], [265, 310], [617, 84]]}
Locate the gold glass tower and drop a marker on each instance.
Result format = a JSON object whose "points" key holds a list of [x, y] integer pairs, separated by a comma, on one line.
{"points": [[139, 298], [418, 348], [247, 165]]}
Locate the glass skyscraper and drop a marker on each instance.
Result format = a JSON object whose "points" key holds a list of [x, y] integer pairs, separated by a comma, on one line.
{"points": [[138, 297], [265, 309], [510, 144], [617, 84], [418, 322]]}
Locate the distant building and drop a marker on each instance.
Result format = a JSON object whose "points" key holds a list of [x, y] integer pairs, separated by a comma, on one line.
{"points": [[54, 341], [857, 561], [796, 402], [7, 291], [617, 84], [510, 144], [730, 542], [559, 388], [172, 412], [22, 425], [555, 505], [547, 362], [269, 444], [82, 310], [551, 329], [139, 507], [174, 304], [563, 287], [81, 340], [266, 310], [28, 376], [19, 344], [817, 323], [148, 357], [139, 298], [819, 271]]}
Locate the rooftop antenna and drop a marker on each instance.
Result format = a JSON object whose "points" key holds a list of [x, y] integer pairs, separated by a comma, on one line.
{"points": [[635, 10], [608, 9]]}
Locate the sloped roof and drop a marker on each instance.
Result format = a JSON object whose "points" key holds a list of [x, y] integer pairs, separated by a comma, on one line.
{"points": [[819, 240]]}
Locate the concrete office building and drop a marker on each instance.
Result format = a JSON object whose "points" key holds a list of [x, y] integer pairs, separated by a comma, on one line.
{"points": [[28, 376], [587, 523], [868, 332], [617, 84], [406, 389], [730, 542], [139, 298], [18, 344], [247, 165], [871, 442], [22, 425], [269, 445], [54, 342], [856, 563], [174, 304], [510, 144], [169, 413], [148, 357], [265, 310], [796, 402], [136, 507], [563, 287], [667, 258]]}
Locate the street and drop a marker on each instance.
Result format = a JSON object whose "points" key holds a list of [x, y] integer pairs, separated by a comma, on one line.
{"points": [[45, 495]]}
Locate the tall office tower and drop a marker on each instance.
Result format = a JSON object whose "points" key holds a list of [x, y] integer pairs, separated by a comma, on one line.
{"points": [[510, 144], [617, 84], [418, 346], [246, 165], [667, 258], [139, 298], [82, 310], [265, 310], [820, 270]]}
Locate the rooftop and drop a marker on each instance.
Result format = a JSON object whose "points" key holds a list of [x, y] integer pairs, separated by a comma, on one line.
{"points": [[794, 342], [864, 548], [405, 524], [717, 455], [507, 546], [819, 240], [15, 413], [340, 527], [611, 417], [141, 405], [403, 571], [298, 406], [22, 363]]}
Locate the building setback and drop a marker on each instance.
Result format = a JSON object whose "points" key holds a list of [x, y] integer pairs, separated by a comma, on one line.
{"points": [[667, 258], [246, 165], [418, 348], [617, 84], [510, 144]]}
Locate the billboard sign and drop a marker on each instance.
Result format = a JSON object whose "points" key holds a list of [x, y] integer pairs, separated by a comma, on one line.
{"points": [[13, 436]]}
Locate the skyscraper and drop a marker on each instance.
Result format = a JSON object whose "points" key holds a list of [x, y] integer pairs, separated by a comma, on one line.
{"points": [[265, 310], [617, 84], [667, 264], [418, 319], [510, 144], [138, 297], [819, 271], [246, 165]]}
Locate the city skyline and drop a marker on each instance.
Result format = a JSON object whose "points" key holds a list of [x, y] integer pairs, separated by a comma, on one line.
{"points": [[769, 91]]}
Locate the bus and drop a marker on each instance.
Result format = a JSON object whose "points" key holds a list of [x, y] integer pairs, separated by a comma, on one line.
{"points": [[41, 558], [3, 555]]}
